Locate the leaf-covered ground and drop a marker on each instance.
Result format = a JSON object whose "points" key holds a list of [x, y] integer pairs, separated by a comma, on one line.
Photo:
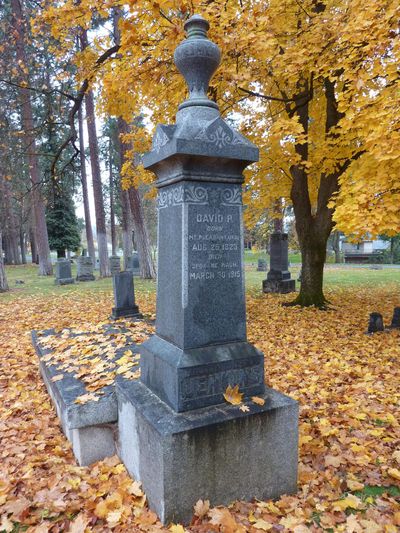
{"points": [[347, 384]]}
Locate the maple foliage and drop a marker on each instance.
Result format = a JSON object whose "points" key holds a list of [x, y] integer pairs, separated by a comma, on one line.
{"points": [[338, 59], [347, 384]]}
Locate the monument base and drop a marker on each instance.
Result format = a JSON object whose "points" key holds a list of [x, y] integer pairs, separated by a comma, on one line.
{"points": [[86, 277], [198, 377], [64, 281], [282, 286], [128, 312], [217, 453]]}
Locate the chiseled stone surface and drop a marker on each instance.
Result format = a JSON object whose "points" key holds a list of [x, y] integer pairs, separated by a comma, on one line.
{"points": [[278, 277], [133, 264], [175, 435], [115, 264], [199, 164], [90, 427], [63, 272], [85, 268], [198, 377], [124, 296], [217, 453]]}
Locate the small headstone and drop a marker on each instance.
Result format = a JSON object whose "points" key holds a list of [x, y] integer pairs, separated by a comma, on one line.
{"points": [[115, 264], [278, 278], [375, 323], [396, 318], [124, 296], [134, 265], [85, 269], [262, 265], [63, 272], [19, 282]]}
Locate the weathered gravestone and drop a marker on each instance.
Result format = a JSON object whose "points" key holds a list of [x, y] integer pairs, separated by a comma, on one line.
{"points": [[375, 323], [176, 433], [134, 265], [278, 278], [63, 272], [115, 264], [84, 267], [262, 265], [396, 318], [124, 296]]}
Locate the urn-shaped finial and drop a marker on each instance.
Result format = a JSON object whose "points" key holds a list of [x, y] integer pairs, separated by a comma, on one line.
{"points": [[197, 58]]}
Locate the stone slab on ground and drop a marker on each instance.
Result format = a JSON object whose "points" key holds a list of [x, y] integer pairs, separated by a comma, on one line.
{"points": [[217, 453], [89, 426], [282, 286]]}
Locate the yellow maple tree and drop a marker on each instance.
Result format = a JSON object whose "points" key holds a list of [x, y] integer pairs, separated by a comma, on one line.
{"points": [[314, 84]]}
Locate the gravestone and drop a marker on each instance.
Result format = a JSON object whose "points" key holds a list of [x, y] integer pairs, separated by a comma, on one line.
{"points": [[63, 272], [124, 296], [375, 323], [134, 265], [115, 264], [278, 278], [262, 265], [84, 267], [177, 435], [396, 318]]}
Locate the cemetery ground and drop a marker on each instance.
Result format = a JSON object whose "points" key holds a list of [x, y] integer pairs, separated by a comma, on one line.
{"points": [[347, 384]]}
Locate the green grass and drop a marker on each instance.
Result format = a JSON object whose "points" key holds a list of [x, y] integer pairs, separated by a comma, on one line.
{"points": [[335, 276], [44, 285], [338, 276]]}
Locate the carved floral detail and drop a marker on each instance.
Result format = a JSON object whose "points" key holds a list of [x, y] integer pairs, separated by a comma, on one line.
{"points": [[196, 194], [159, 139]]}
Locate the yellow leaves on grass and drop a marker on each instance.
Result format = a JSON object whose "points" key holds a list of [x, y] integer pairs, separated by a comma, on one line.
{"points": [[346, 383]]}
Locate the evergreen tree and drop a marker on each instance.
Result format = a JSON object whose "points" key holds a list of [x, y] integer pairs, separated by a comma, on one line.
{"points": [[63, 226]]}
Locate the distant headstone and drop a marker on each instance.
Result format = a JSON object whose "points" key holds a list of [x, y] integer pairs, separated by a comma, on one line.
{"points": [[278, 278], [134, 265], [124, 296], [115, 264], [396, 318], [375, 323], [63, 272], [176, 432], [262, 265], [84, 265]]}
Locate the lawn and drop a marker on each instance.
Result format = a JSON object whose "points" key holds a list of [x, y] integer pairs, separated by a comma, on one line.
{"points": [[347, 384]]}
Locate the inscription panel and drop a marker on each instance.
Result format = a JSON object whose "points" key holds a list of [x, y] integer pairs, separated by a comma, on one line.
{"points": [[213, 287]]}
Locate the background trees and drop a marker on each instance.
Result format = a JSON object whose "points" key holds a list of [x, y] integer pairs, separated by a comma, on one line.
{"points": [[314, 84]]}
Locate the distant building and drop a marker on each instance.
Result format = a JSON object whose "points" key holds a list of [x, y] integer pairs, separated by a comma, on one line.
{"points": [[364, 251]]}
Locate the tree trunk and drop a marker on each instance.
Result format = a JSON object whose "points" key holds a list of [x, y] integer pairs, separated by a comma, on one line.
{"points": [[313, 254], [85, 195], [22, 244], [3, 278], [32, 242], [42, 240], [10, 235], [147, 269], [112, 213], [96, 178], [336, 246], [126, 224], [60, 254]]}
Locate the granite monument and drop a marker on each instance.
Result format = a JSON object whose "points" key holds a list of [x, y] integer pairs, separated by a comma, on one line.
{"points": [[84, 267], [124, 296], [278, 277], [115, 264], [63, 272], [177, 435]]}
